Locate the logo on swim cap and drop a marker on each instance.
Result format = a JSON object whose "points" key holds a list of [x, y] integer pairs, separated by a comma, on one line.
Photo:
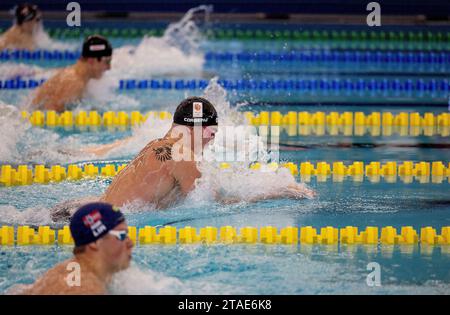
{"points": [[96, 46], [94, 221], [197, 109]]}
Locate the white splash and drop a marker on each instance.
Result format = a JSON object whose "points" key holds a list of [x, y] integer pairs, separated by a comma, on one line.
{"points": [[11, 70], [176, 52], [12, 128], [237, 182], [30, 216], [138, 281], [44, 41], [23, 144]]}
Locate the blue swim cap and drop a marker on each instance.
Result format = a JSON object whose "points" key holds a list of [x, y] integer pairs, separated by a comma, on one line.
{"points": [[94, 220]]}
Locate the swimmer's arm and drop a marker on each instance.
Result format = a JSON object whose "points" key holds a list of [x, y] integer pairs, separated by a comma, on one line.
{"points": [[101, 150], [5, 40], [185, 173], [293, 191], [48, 99]]}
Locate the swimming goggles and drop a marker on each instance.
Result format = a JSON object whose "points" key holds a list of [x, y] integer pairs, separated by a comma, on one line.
{"points": [[120, 235]]}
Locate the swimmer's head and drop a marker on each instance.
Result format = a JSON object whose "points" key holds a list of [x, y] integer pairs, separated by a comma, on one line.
{"points": [[194, 111], [99, 230], [98, 52], [197, 112], [27, 16]]}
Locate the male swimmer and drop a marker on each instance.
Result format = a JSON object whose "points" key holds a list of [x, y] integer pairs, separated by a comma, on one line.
{"points": [[102, 248], [69, 84], [165, 171], [21, 34]]}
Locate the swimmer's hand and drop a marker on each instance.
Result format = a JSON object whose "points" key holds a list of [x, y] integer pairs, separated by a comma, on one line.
{"points": [[104, 149], [293, 191], [299, 191]]}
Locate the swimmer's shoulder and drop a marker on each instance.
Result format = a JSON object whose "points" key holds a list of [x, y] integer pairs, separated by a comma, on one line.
{"points": [[158, 150], [54, 281]]}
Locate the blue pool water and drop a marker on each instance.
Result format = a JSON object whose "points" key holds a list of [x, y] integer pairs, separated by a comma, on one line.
{"points": [[245, 269]]}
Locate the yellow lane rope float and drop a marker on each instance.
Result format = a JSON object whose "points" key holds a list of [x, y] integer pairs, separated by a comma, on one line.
{"points": [[329, 235], [407, 171], [93, 118]]}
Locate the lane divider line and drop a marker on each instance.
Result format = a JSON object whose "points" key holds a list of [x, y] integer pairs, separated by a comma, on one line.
{"points": [[290, 235], [338, 171]]}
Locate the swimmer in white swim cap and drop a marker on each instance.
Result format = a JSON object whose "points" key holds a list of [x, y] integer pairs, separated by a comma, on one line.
{"points": [[69, 84], [21, 35]]}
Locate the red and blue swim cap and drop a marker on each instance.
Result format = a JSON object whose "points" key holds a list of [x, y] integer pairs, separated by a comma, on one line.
{"points": [[93, 220]]}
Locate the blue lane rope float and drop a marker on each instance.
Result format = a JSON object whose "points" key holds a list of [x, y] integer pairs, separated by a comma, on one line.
{"points": [[334, 56], [357, 56], [441, 86], [40, 54], [209, 235]]}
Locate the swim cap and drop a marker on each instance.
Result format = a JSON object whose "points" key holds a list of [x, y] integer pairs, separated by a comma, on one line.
{"points": [[26, 12], [195, 110], [94, 220], [96, 46]]}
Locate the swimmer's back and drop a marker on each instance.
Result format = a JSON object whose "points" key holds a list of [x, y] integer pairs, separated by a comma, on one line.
{"points": [[149, 177], [53, 282], [13, 38], [65, 87]]}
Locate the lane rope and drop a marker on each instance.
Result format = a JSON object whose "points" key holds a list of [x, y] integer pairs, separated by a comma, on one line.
{"points": [[338, 171], [436, 88], [441, 58], [263, 118], [290, 235]]}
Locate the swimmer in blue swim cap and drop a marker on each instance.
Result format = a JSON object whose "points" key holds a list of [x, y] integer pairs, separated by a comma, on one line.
{"points": [[102, 248], [69, 84], [21, 35]]}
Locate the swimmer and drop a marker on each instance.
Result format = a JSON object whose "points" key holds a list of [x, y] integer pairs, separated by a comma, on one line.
{"points": [[159, 176], [155, 176], [21, 34], [102, 248], [69, 84]]}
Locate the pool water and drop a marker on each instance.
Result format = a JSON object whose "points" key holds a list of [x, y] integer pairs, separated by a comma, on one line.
{"points": [[243, 269]]}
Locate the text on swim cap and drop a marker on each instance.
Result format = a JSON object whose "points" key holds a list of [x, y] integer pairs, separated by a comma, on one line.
{"points": [[195, 120], [97, 47], [94, 222]]}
